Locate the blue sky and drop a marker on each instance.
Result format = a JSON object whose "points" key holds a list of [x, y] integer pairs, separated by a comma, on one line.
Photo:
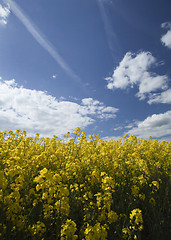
{"points": [[101, 65]]}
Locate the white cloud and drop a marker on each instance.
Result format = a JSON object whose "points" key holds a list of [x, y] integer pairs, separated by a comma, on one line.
{"points": [[135, 70], [166, 39], [158, 126], [130, 124], [36, 111], [4, 13], [91, 106], [164, 97], [114, 138], [54, 76], [117, 128], [90, 101]]}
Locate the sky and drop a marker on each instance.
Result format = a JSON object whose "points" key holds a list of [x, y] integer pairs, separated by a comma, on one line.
{"points": [[101, 65]]}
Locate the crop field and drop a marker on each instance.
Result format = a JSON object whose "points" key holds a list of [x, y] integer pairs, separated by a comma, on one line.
{"points": [[87, 189]]}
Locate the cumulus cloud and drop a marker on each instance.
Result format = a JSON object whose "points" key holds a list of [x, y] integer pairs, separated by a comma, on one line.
{"points": [[166, 38], [4, 13], [37, 111], [158, 126], [134, 69]]}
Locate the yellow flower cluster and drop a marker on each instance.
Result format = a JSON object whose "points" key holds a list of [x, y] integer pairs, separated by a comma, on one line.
{"points": [[80, 188], [68, 230], [136, 219]]}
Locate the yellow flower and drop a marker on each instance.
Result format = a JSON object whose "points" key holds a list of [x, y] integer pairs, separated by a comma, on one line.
{"points": [[44, 196], [68, 230], [135, 190], [112, 217], [38, 228], [135, 237], [126, 232], [97, 232], [3, 180], [152, 201], [43, 171], [142, 197], [156, 184], [136, 219]]}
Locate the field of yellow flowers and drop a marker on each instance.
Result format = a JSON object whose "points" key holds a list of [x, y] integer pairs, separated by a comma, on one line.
{"points": [[80, 188]]}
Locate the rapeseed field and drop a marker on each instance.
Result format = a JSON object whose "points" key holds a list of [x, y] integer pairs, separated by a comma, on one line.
{"points": [[81, 188]]}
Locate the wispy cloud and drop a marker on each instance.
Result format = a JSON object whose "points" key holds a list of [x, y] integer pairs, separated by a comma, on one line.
{"points": [[42, 40], [111, 37], [4, 13]]}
